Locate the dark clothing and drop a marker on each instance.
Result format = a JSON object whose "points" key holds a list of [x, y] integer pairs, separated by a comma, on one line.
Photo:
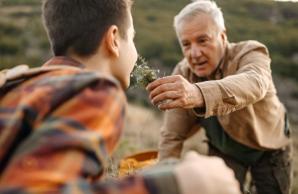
{"points": [[271, 174], [270, 170], [223, 142]]}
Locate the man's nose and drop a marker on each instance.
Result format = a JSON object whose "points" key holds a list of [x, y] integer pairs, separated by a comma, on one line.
{"points": [[196, 51]]}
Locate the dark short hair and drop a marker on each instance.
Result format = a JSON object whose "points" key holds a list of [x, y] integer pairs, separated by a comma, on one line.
{"points": [[81, 24]]}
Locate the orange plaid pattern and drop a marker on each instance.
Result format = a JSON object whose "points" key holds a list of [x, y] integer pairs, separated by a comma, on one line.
{"points": [[56, 131]]}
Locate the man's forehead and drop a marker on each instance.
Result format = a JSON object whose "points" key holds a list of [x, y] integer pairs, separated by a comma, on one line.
{"points": [[201, 19], [196, 28], [201, 22]]}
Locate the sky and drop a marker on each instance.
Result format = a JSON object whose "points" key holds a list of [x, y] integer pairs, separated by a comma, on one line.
{"points": [[288, 0]]}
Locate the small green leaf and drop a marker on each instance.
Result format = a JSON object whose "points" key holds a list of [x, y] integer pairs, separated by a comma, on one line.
{"points": [[142, 74]]}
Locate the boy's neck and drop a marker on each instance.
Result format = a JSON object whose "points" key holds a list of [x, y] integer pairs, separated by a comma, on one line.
{"points": [[96, 62]]}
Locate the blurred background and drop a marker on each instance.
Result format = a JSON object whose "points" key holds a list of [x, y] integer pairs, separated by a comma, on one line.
{"points": [[23, 40]]}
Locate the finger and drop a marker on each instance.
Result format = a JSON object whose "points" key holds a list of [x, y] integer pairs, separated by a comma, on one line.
{"points": [[162, 89], [192, 155], [165, 96], [164, 80], [171, 104]]}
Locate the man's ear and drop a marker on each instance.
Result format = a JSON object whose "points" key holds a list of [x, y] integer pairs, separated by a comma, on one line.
{"points": [[112, 40], [224, 36]]}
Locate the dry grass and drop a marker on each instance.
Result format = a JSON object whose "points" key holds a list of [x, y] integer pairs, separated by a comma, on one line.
{"points": [[142, 133]]}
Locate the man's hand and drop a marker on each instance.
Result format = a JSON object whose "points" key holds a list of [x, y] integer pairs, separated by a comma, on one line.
{"points": [[175, 92], [206, 175]]}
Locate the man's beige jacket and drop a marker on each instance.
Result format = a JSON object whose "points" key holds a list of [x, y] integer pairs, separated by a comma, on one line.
{"points": [[242, 96]]}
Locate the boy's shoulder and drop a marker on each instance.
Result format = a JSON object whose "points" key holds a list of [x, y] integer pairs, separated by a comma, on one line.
{"points": [[55, 74], [30, 86]]}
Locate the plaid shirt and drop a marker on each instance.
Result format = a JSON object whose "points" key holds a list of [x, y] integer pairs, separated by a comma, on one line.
{"points": [[57, 129]]}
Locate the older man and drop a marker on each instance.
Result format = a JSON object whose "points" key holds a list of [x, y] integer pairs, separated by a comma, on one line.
{"points": [[227, 89]]}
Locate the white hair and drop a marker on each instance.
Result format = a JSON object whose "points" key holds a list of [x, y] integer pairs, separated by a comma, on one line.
{"points": [[197, 7]]}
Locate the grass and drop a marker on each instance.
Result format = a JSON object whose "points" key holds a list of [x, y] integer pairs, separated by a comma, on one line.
{"points": [[142, 133]]}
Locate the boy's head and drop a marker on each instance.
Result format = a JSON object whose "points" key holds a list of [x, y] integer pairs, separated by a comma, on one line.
{"points": [[80, 25]]}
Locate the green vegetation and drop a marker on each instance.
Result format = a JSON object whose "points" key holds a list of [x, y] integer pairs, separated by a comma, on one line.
{"points": [[23, 40], [273, 23], [19, 2], [142, 74]]}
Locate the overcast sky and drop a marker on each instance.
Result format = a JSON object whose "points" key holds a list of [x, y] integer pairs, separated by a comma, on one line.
{"points": [[288, 0]]}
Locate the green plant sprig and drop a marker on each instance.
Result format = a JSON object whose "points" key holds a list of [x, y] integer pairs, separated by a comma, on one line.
{"points": [[142, 74]]}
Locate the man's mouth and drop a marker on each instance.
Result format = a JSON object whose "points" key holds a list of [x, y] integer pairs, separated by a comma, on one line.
{"points": [[200, 63]]}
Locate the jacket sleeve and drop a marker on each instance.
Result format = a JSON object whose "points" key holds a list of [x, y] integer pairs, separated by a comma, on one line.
{"points": [[248, 85], [67, 151], [179, 124]]}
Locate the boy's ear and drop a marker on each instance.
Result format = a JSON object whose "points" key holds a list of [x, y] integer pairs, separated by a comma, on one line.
{"points": [[112, 40]]}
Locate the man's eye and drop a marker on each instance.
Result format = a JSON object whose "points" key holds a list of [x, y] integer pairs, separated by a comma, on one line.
{"points": [[202, 41], [185, 44]]}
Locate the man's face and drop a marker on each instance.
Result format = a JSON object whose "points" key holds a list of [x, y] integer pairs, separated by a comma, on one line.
{"points": [[202, 44], [128, 55]]}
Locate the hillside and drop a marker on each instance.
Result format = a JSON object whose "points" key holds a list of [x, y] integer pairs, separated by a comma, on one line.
{"points": [[23, 40], [273, 23]]}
